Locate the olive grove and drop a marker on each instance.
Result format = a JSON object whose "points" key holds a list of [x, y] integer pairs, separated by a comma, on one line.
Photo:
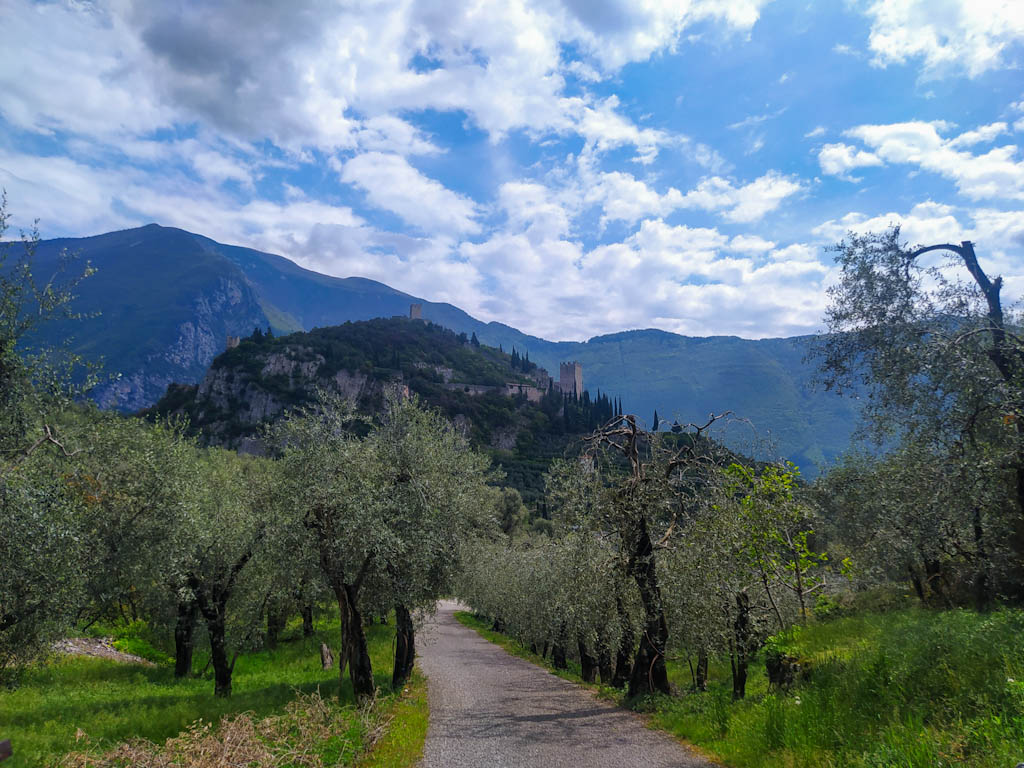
{"points": [[110, 518], [663, 544]]}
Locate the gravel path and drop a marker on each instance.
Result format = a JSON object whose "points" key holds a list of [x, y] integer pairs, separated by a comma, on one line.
{"points": [[491, 710]]}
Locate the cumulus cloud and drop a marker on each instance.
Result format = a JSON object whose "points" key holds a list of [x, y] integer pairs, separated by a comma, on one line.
{"points": [[949, 36], [317, 74], [840, 159], [747, 203], [997, 173]]}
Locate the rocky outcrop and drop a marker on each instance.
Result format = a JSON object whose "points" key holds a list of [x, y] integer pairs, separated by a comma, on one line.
{"points": [[240, 394], [229, 307]]}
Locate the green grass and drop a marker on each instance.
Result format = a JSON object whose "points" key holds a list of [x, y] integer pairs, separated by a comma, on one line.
{"points": [[112, 702], [909, 688], [402, 745]]}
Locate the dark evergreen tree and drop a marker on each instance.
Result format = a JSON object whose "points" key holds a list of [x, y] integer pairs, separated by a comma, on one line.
{"points": [[474, 340], [654, 428]]}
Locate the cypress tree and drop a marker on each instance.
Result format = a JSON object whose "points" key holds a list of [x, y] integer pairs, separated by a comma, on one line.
{"points": [[655, 427]]}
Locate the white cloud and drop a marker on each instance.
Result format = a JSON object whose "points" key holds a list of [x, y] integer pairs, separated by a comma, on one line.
{"points": [[742, 204], [319, 74], [840, 159], [603, 129], [623, 197], [679, 278], [983, 134], [750, 244], [392, 184], [995, 174], [925, 222], [757, 119], [815, 133], [79, 197], [948, 36]]}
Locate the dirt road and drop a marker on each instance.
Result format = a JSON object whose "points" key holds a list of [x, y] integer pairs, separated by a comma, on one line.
{"points": [[491, 710]]}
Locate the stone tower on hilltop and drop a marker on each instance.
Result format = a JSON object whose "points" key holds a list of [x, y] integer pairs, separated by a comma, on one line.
{"points": [[415, 311], [570, 378]]}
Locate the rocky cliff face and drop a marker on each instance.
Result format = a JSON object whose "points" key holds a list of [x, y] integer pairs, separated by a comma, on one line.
{"points": [[228, 307], [235, 398]]}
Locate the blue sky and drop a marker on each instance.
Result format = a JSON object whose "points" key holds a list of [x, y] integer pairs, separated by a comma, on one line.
{"points": [[568, 167]]}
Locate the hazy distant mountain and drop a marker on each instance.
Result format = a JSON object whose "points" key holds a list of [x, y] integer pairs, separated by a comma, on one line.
{"points": [[168, 299]]}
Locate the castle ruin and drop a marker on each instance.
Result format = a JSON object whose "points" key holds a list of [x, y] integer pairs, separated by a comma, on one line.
{"points": [[570, 378], [415, 311]]}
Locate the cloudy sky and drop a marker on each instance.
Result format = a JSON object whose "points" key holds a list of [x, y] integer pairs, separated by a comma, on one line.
{"points": [[569, 167]]}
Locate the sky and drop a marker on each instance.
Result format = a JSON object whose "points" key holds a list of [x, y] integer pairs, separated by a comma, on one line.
{"points": [[568, 167]]}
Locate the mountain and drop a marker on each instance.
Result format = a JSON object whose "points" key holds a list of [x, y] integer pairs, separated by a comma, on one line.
{"points": [[167, 299]]}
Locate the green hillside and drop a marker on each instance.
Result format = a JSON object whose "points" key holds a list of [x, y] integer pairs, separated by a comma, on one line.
{"points": [[264, 376]]}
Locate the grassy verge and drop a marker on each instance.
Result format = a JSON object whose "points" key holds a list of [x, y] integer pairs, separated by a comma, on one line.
{"points": [[61, 704], [909, 688], [402, 744]]}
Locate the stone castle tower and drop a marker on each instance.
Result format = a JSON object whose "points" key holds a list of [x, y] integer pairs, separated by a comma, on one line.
{"points": [[415, 311], [232, 341], [570, 378]]}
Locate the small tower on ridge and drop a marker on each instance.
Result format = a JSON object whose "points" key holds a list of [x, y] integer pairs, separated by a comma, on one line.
{"points": [[570, 378]]}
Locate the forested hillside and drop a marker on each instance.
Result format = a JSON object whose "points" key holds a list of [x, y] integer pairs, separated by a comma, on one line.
{"points": [[258, 381]]}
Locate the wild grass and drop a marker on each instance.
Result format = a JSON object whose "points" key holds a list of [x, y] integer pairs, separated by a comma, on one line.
{"points": [[910, 688], [402, 743], [70, 699], [311, 733]]}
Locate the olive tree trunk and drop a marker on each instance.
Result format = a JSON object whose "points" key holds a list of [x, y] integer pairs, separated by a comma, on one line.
{"points": [[649, 673], [184, 637], [354, 651], [405, 646]]}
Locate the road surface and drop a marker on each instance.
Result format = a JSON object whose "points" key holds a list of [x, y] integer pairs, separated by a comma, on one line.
{"points": [[492, 710]]}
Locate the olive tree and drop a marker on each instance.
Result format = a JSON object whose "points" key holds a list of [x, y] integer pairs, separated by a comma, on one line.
{"points": [[327, 471], [431, 488], [230, 527], [941, 363], [655, 482], [41, 542]]}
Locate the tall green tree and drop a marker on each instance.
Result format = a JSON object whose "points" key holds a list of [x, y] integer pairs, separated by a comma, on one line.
{"points": [[233, 525], [329, 473], [432, 491]]}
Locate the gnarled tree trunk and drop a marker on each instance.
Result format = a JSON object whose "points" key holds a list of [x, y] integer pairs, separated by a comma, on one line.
{"points": [[742, 645], [307, 621], [184, 637], [649, 673], [354, 651], [405, 646], [588, 664], [627, 645]]}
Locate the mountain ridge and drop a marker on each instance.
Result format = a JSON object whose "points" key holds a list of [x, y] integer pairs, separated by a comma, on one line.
{"points": [[168, 299]]}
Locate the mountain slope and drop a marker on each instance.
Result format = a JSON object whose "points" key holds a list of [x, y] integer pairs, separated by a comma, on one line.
{"points": [[168, 298], [161, 308]]}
